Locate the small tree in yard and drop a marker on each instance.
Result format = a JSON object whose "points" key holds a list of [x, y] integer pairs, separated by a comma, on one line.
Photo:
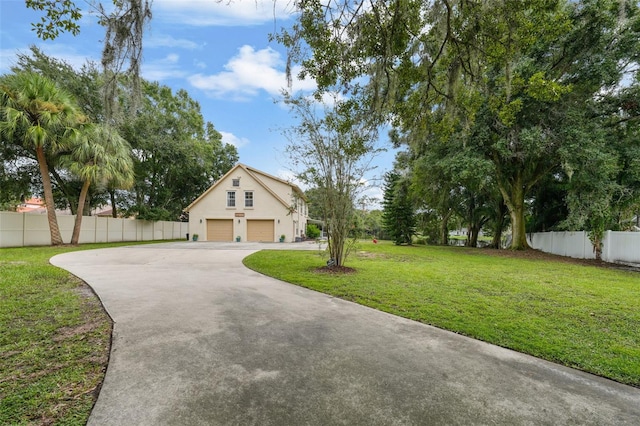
{"points": [[332, 153]]}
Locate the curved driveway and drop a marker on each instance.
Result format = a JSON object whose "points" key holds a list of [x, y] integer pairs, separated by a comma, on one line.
{"points": [[201, 340]]}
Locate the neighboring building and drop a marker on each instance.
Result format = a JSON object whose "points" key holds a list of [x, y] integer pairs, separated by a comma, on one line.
{"points": [[251, 205], [32, 205], [37, 205]]}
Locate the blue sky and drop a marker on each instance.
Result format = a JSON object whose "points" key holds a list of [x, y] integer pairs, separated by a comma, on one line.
{"points": [[219, 52]]}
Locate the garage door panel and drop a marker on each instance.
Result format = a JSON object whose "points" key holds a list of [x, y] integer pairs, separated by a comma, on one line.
{"points": [[219, 229], [260, 230]]}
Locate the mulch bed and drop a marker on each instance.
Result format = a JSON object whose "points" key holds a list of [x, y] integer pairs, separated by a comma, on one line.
{"points": [[540, 255], [335, 270]]}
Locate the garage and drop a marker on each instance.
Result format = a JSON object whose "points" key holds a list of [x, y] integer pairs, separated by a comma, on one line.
{"points": [[219, 229], [260, 230]]}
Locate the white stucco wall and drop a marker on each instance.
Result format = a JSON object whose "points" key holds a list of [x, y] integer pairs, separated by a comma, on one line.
{"points": [[32, 229]]}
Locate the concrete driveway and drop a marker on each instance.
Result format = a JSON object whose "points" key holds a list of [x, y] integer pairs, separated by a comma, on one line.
{"points": [[201, 340]]}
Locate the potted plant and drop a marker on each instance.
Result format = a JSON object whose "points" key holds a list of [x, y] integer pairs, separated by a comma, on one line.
{"points": [[282, 237], [195, 237], [238, 239]]}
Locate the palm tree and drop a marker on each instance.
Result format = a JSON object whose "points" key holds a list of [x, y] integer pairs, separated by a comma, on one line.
{"points": [[98, 156], [37, 114]]}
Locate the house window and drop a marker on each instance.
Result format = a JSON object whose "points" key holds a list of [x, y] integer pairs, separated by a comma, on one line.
{"points": [[248, 199], [231, 199], [236, 182]]}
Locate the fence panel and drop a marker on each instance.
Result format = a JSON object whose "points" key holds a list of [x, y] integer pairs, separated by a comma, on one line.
{"points": [[578, 245], [36, 230], [145, 230], [542, 241], [129, 230], [622, 247], [158, 228], [171, 230], [102, 230], [114, 229], [87, 230], [11, 229]]}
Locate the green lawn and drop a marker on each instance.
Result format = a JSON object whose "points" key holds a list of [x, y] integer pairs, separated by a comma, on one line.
{"points": [[584, 317], [54, 339]]}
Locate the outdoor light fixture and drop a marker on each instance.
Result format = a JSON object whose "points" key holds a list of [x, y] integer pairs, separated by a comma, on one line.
{"points": [[278, 220], [238, 220], [200, 220]]}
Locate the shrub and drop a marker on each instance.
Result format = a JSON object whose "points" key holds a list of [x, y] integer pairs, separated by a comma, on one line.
{"points": [[313, 231]]}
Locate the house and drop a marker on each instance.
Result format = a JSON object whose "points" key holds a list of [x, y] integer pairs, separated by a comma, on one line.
{"points": [[32, 205], [249, 205], [37, 205]]}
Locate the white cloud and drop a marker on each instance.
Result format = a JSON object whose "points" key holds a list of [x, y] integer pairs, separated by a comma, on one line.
{"points": [[165, 40], [232, 139], [221, 13], [247, 73], [171, 58], [163, 69], [7, 60]]}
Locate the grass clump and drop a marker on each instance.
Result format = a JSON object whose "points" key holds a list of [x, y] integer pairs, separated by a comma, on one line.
{"points": [[577, 315], [54, 339]]}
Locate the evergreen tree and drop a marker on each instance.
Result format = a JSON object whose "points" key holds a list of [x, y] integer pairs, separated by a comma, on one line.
{"points": [[398, 217]]}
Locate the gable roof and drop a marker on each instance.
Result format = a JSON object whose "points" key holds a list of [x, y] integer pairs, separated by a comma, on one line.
{"points": [[255, 174]]}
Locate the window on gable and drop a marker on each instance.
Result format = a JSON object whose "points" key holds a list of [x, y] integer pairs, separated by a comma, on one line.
{"points": [[231, 199], [236, 182], [248, 199]]}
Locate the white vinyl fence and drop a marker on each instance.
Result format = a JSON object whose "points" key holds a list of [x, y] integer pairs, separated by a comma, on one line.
{"points": [[617, 247], [30, 229]]}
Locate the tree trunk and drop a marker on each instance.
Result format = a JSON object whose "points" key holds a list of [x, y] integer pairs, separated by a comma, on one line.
{"points": [[56, 238], [471, 225], [497, 237], [515, 204], [112, 196], [473, 236], [78, 224], [87, 204], [497, 232], [597, 247], [519, 235], [444, 228]]}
